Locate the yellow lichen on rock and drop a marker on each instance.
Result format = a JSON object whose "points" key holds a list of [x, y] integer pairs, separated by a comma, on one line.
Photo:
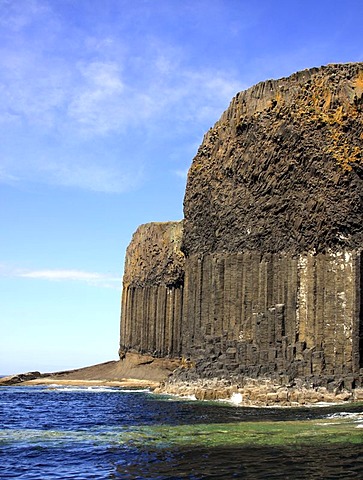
{"points": [[358, 82]]}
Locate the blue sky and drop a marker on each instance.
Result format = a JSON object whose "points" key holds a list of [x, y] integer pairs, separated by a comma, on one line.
{"points": [[103, 106]]}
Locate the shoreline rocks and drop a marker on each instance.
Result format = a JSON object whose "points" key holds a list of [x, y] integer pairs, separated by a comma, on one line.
{"points": [[260, 392], [137, 372], [19, 378]]}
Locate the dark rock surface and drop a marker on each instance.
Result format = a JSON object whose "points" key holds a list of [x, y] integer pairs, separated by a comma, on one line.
{"points": [[153, 256], [151, 313], [275, 315], [19, 378], [282, 170], [263, 278]]}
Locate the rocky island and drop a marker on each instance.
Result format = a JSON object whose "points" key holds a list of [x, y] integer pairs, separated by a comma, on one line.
{"points": [[257, 293], [258, 289]]}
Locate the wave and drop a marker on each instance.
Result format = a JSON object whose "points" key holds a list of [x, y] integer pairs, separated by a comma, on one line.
{"points": [[354, 417], [88, 389], [346, 416]]}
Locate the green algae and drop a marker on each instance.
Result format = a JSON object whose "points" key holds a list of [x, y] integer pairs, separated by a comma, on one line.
{"points": [[344, 430], [252, 433], [58, 437]]}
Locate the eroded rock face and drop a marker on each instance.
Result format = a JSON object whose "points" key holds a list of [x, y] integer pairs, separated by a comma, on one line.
{"points": [[152, 292], [154, 257], [269, 281], [282, 170]]}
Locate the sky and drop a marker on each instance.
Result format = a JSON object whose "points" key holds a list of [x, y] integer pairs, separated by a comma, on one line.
{"points": [[103, 107]]}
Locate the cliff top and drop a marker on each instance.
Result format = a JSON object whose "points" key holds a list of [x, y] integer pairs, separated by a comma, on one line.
{"points": [[281, 171], [153, 257]]}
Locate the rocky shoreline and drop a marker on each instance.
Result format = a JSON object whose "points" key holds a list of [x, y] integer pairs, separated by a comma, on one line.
{"points": [[259, 392], [172, 376]]}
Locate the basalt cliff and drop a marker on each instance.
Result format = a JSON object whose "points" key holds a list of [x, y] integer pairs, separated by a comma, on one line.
{"points": [[262, 280]]}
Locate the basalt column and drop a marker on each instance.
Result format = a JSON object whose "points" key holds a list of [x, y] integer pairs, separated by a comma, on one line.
{"points": [[277, 315], [152, 291], [264, 275], [273, 231]]}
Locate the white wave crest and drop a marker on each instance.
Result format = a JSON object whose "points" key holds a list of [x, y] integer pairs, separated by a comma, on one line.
{"points": [[236, 398], [83, 389]]}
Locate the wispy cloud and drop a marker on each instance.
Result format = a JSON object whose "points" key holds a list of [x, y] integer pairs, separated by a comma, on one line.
{"points": [[97, 178], [69, 171], [17, 15], [62, 275], [7, 178], [96, 88], [91, 278], [80, 87], [97, 105]]}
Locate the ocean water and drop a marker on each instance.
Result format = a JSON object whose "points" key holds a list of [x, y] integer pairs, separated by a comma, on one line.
{"points": [[111, 433]]}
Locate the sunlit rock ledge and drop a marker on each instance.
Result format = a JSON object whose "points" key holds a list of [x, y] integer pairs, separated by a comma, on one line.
{"points": [[260, 392]]}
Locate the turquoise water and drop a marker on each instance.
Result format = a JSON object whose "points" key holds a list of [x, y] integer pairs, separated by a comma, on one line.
{"points": [[84, 433]]}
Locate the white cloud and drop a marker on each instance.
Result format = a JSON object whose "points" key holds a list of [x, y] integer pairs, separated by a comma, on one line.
{"points": [[98, 90], [97, 178], [62, 275], [91, 278], [72, 88], [68, 275]]}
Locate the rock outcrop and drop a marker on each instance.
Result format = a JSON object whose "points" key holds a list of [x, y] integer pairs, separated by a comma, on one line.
{"points": [[151, 313], [263, 277], [281, 171], [19, 378], [133, 370]]}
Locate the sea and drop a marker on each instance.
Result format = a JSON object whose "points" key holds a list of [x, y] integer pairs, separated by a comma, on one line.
{"points": [[58, 432]]}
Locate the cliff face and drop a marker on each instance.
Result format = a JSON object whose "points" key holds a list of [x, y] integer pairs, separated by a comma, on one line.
{"points": [[281, 171], [153, 290], [154, 257], [245, 314], [271, 277]]}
